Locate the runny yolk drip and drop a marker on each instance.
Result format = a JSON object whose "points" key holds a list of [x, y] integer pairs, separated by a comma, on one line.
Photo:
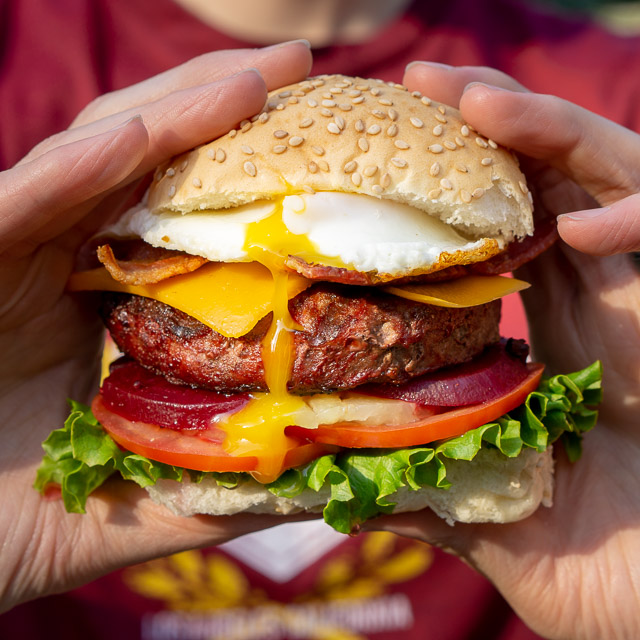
{"points": [[259, 428]]}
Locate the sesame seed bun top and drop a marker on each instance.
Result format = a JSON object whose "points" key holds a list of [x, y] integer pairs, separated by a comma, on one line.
{"points": [[338, 133]]}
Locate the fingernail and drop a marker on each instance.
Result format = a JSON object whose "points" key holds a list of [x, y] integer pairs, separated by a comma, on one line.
{"points": [[587, 214], [122, 125], [492, 87], [428, 63], [279, 45]]}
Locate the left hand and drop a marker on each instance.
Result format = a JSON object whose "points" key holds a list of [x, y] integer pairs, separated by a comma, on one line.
{"points": [[569, 571]]}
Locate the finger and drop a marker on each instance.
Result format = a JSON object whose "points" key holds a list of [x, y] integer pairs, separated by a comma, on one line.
{"points": [[279, 65], [36, 198], [185, 118], [444, 83], [601, 156], [606, 231]]}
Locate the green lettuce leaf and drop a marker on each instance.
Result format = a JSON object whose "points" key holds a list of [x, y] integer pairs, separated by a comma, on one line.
{"points": [[360, 482]]}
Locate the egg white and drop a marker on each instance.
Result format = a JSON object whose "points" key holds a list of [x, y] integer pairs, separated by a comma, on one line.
{"points": [[362, 232]]}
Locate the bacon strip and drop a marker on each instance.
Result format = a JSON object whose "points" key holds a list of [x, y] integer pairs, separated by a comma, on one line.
{"points": [[144, 264], [515, 255]]}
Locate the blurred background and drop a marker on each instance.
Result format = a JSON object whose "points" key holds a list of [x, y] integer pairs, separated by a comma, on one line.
{"points": [[303, 580]]}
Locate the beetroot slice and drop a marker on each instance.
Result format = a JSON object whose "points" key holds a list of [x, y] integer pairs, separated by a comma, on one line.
{"points": [[489, 376], [139, 395]]}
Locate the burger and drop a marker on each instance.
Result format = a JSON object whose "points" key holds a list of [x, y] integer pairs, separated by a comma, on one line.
{"points": [[308, 310]]}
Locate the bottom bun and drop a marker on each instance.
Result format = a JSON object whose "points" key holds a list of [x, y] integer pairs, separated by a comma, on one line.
{"points": [[490, 488]]}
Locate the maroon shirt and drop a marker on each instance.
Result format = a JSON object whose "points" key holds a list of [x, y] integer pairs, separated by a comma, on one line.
{"points": [[55, 57]]}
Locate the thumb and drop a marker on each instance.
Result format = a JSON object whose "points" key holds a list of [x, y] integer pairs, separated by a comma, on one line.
{"points": [[603, 232]]}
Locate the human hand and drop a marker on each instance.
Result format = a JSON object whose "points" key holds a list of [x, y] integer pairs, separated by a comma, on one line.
{"points": [[49, 204], [570, 571]]}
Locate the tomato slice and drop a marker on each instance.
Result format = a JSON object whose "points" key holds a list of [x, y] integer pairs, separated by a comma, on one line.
{"points": [[437, 427], [201, 451]]}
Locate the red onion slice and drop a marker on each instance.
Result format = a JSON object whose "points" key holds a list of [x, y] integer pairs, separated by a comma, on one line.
{"points": [[499, 369], [139, 395]]}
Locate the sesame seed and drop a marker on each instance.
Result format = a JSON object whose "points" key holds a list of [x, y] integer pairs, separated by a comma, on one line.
{"points": [[211, 153], [358, 100], [377, 189], [183, 166], [481, 143], [296, 141], [354, 93], [399, 162], [280, 107], [345, 107], [233, 133], [332, 127], [393, 114], [292, 100], [335, 90], [465, 195], [250, 169], [459, 141], [436, 148], [385, 102], [426, 101], [446, 184], [401, 144], [399, 86], [328, 103], [434, 170], [416, 94], [442, 109], [307, 122], [356, 178], [374, 130], [280, 134], [339, 120], [197, 183], [247, 127], [434, 194], [172, 190], [359, 126], [245, 148], [392, 130], [312, 103], [375, 91], [440, 118], [464, 130], [313, 167], [523, 187], [362, 87], [461, 168], [492, 144], [170, 172], [263, 117], [271, 105], [437, 130], [363, 143], [381, 115], [477, 193], [299, 93], [319, 151], [350, 167], [370, 170], [450, 145], [308, 189], [416, 122], [324, 166], [284, 94], [486, 162], [243, 123], [385, 181], [327, 113], [317, 82], [279, 148]]}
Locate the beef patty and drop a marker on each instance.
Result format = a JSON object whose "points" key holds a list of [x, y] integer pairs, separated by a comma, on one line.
{"points": [[349, 336]]}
